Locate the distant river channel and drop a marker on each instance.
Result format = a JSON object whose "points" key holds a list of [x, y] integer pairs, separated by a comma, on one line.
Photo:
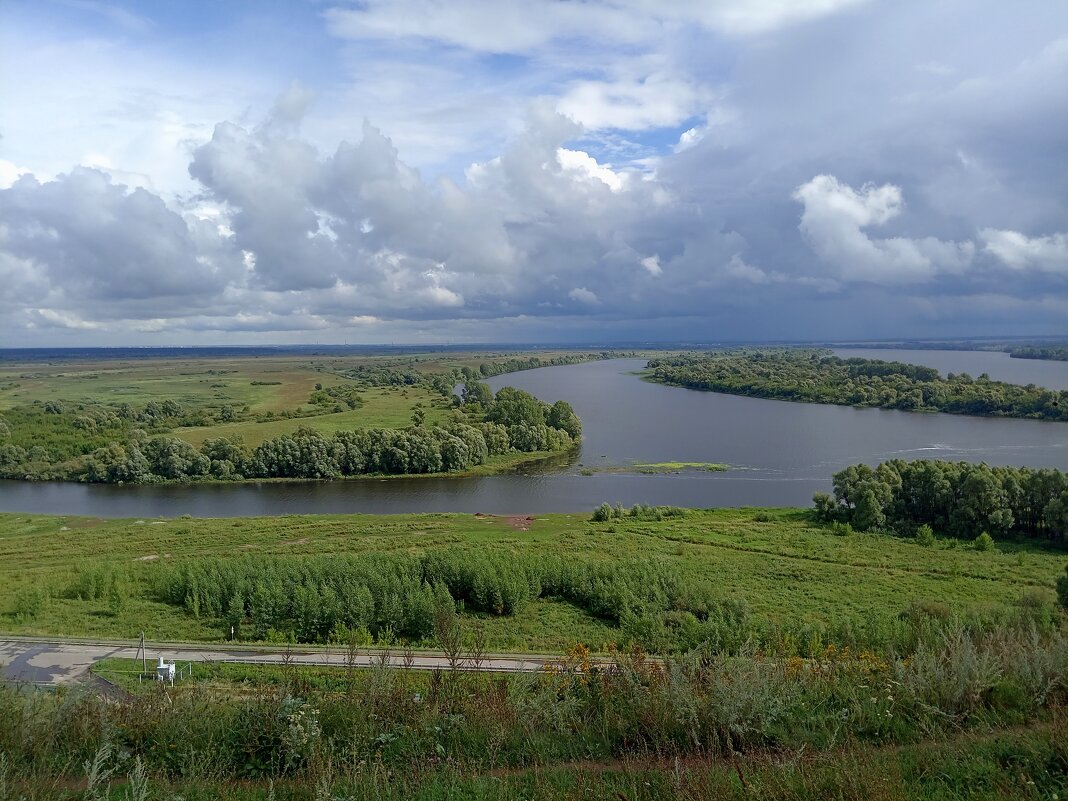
{"points": [[779, 452]]}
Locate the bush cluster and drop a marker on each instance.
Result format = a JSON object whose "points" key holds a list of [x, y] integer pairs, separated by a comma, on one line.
{"points": [[308, 598], [606, 512], [963, 500]]}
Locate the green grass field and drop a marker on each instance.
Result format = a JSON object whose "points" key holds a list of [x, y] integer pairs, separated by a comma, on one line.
{"points": [[383, 408], [788, 569], [283, 383]]}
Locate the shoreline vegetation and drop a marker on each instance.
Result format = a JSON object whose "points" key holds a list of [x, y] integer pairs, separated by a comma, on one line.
{"points": [[817, 376], [423, 428]]}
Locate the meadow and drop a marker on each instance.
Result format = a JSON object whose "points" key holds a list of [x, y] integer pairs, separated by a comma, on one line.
{"points": [[785, 573]]}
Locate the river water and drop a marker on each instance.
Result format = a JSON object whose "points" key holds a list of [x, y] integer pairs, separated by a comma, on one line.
{"points": [[779, 452]]}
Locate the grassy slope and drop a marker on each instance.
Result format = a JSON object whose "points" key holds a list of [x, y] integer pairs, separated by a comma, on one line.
{"points": [[786, 568]]}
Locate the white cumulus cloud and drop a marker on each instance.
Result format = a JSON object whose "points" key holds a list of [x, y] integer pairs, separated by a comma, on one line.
{"points": [[833, 220], [1020, 252]]}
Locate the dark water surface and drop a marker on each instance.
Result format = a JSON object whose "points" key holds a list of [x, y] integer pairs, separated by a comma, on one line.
{"points": [[780, 454]]}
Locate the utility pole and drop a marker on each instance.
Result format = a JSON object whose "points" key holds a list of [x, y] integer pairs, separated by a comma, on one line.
{"points": [[144, 656]]}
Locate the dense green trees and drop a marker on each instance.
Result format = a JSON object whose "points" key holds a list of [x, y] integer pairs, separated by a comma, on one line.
{"points": [[562, 416], [817, 377], [475, 392], [517, 421], [955, 498], [513, 407]]}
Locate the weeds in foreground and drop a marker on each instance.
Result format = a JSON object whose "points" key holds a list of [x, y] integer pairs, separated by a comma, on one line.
{"points": [[698, 706]]}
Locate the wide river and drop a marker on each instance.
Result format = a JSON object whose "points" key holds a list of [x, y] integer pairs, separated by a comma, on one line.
{"points": [[779, 452]]}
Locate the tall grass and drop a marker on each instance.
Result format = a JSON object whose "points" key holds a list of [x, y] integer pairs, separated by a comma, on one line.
{"points": [[633, 708]]}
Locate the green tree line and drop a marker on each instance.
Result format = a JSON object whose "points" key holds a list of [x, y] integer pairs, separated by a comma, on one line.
{"points": [[514, 421], [958, 499], [816, 377]]}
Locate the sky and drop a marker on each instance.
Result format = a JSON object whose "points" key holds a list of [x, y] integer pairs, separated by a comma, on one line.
{"points": [[451, 171]]}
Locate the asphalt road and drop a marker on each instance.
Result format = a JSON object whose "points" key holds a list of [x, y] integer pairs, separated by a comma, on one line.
{"points": [[66, 661]]}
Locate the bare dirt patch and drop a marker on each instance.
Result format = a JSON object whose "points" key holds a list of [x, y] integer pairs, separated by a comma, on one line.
{"points": [[519, 522]]}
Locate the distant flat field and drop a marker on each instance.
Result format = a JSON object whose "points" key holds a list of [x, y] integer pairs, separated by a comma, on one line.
{"points": [[264, 384], [383, 408], [786, 567]]}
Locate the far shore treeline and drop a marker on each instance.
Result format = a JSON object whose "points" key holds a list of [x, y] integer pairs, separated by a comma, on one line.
{"points": [[816, 376], [482, 426]]}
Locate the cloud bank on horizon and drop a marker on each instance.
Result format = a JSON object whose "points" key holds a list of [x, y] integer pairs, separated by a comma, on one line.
{"points": [[420, 170]]}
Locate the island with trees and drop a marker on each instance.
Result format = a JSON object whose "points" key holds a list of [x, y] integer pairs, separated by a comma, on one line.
{"points": [[818, 376]]}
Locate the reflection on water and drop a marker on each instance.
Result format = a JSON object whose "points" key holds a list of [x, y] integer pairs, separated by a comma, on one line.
{"points": [[780, 454]]}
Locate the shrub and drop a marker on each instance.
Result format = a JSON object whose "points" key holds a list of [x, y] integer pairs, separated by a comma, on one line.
{"points": [[1035, 607], [984, 542], [925, 536], [841, 529], [29, 602], [826, 508], [603, 513]]}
